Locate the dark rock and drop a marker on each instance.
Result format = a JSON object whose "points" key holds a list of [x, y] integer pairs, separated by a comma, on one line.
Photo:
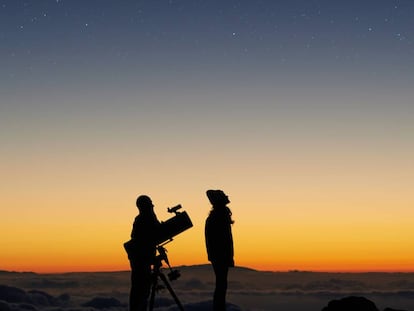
{"points": [[4, 306], [351, 303], [13, 294], [390, 309]]}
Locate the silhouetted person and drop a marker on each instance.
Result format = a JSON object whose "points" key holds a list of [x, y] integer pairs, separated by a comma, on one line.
{"points": [[219, 244], [144, 233]]}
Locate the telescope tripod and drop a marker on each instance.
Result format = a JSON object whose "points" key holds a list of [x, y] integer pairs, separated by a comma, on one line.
{"points": [[157, 275]]}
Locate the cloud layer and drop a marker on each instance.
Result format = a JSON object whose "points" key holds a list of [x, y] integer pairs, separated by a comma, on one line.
{"points": [[249, 290]]}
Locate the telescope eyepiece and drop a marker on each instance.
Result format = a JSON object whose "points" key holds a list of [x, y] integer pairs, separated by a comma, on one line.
{"points": [[174, 209]]}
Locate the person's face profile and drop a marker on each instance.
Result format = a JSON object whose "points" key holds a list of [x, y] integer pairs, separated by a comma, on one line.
{"points": [[223, 198]]}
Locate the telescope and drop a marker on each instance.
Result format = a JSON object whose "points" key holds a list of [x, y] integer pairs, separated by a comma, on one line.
{"points": [[168, 229], [173, 226]]}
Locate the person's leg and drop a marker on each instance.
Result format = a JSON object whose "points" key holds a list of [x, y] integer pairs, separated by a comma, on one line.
{"points": [[140, 287], [219, 299]]}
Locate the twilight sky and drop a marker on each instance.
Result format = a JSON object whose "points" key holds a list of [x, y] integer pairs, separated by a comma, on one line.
{"points": [[301, 111]]}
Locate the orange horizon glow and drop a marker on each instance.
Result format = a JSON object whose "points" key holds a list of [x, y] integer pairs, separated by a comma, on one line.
{"points": [[305, 243]]}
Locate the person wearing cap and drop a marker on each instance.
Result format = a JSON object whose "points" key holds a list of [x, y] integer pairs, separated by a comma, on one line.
{"points": [[219, 244], [144, 233]]}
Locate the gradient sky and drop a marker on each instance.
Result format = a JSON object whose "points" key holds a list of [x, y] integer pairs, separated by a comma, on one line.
{"points": [[301, 111]]}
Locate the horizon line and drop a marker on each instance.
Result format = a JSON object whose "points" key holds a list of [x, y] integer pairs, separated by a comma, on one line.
{"points": [[238, 267]]}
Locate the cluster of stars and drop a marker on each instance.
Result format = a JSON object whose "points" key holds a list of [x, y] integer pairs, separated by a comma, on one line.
{"points": [[304, 30]]}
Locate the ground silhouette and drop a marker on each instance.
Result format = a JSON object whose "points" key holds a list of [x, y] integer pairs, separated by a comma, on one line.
{"points": [[353, 303]]}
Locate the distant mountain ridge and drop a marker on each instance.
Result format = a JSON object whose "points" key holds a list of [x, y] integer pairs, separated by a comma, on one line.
{"points": [[195, 267]]}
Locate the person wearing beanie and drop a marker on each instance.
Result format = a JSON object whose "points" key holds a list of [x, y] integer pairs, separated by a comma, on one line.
{"points": [[142, 256]]}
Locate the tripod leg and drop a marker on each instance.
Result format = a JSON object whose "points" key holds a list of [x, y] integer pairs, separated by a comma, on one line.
{"points": [[177, 301], [153, 290]]}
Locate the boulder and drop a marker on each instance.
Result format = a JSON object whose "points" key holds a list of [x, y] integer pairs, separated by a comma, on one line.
{"points": [[351, 303], [13, 294]]}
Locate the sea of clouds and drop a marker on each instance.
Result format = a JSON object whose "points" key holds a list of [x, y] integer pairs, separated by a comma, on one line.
{"points": [[249, 290]]}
